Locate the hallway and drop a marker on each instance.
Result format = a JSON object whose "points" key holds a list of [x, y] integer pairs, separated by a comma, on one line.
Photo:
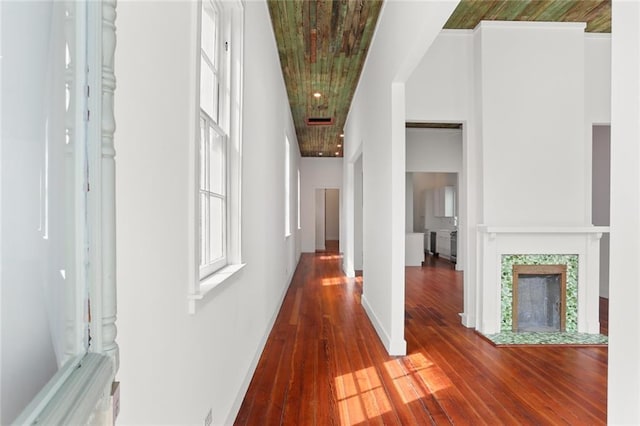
{"points": [[324, 364]]}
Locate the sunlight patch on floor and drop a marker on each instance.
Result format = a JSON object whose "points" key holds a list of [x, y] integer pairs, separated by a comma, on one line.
{"points": [[428, 373], [329, 256], [333, 281], [360, 396]]}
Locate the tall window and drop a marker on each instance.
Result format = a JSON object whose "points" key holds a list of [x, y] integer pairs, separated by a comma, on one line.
{"points": [[217, 148], [299, 227], [287, 187], [213, 142]]}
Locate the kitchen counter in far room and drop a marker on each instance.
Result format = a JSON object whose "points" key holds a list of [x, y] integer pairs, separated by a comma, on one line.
{"points": [[414, 249]]}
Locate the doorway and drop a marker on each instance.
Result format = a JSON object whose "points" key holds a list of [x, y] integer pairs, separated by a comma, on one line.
{"points": [[600, 207], [327, 216]]}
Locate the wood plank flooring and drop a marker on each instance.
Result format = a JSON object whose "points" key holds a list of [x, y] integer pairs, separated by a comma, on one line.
{"points": [[323, 363]]}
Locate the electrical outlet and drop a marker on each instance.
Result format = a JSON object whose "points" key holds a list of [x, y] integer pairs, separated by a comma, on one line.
{"points": [[209, 419]]}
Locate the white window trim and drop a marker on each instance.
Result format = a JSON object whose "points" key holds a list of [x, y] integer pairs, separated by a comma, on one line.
{"points": [[298, 202], [287, 187], [200, 289]]}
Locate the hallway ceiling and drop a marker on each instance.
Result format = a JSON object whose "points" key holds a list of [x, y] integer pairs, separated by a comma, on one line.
{"points": [[322, 46], [596, 13]]}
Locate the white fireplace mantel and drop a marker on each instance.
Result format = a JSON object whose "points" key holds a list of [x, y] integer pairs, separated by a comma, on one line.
{"points": [[543, 229], [496, 241]]}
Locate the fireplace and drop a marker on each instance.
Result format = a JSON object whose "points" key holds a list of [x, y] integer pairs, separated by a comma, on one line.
{"points": [[539, 298], [500, 248]]}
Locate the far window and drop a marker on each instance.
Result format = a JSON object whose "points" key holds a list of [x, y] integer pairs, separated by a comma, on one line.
{"points": [[287, 187]]}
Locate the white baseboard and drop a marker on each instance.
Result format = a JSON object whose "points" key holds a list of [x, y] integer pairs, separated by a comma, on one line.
{"points": [[237, 403], [467, 320], [396, 347]]}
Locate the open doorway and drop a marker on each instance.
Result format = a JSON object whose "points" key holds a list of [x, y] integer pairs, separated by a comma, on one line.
{"points": [[600, 208], [327, 220]]}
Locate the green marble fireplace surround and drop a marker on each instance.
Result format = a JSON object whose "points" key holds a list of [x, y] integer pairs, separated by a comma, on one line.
{"points": [[506, 288]]}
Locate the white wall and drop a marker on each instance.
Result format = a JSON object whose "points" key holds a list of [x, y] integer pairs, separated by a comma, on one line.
{"points": [[534, 151], [174, 366], [315, 173], [375, 126], [597, 56], [623, 390], [357, 214], [332, 214], [601, 194], [434, 150]]}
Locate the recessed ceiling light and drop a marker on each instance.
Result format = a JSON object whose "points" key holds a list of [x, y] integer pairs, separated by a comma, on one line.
{"points": [[337, 153], [317, 95], [320, 154], [342, 135], [339, 145]]}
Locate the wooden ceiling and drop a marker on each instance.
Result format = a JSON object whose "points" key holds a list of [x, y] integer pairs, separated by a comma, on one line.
{"points": [[323, 44], [596, 13]]}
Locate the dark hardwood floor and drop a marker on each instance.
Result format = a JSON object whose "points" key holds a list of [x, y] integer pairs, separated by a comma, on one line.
{"points": [[323, 363]]}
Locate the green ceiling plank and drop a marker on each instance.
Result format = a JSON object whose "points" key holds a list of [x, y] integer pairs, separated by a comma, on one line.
{"points": [[506, 10], [556, 10]]}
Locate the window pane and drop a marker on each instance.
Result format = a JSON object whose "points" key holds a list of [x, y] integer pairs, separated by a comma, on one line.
{"points": [[203, 155], [217, 163], [208, 90], [217, 227], [209, 27], [204, 229]]}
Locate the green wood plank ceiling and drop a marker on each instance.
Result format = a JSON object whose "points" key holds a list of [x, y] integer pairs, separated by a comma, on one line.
{"points": [[323, 45]]}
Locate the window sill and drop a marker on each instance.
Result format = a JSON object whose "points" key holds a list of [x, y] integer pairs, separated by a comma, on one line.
{"points": [[74, 393], [211, 282]]}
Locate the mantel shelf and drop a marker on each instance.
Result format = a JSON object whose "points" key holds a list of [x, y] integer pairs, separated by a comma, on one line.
{"points": [[543, 229]]}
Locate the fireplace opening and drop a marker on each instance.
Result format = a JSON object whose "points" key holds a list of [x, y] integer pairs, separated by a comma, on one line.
{"points": [[539, 298]]}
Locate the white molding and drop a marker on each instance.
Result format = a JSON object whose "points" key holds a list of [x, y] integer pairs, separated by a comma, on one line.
{"points": [[74, 395], [244, 386], [394, 348], [101, 197], [542, 25], [543, 229], [210, 283]]}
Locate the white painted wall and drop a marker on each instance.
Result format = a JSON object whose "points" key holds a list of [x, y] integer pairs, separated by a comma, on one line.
{"points": [[623, 391], [175, 366], [440, 88], [375, 126], [358, 221], [597, 56], [434, 150], [33, 194], [315, 173], [601, 194], [534, 151], [332, 214]]}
